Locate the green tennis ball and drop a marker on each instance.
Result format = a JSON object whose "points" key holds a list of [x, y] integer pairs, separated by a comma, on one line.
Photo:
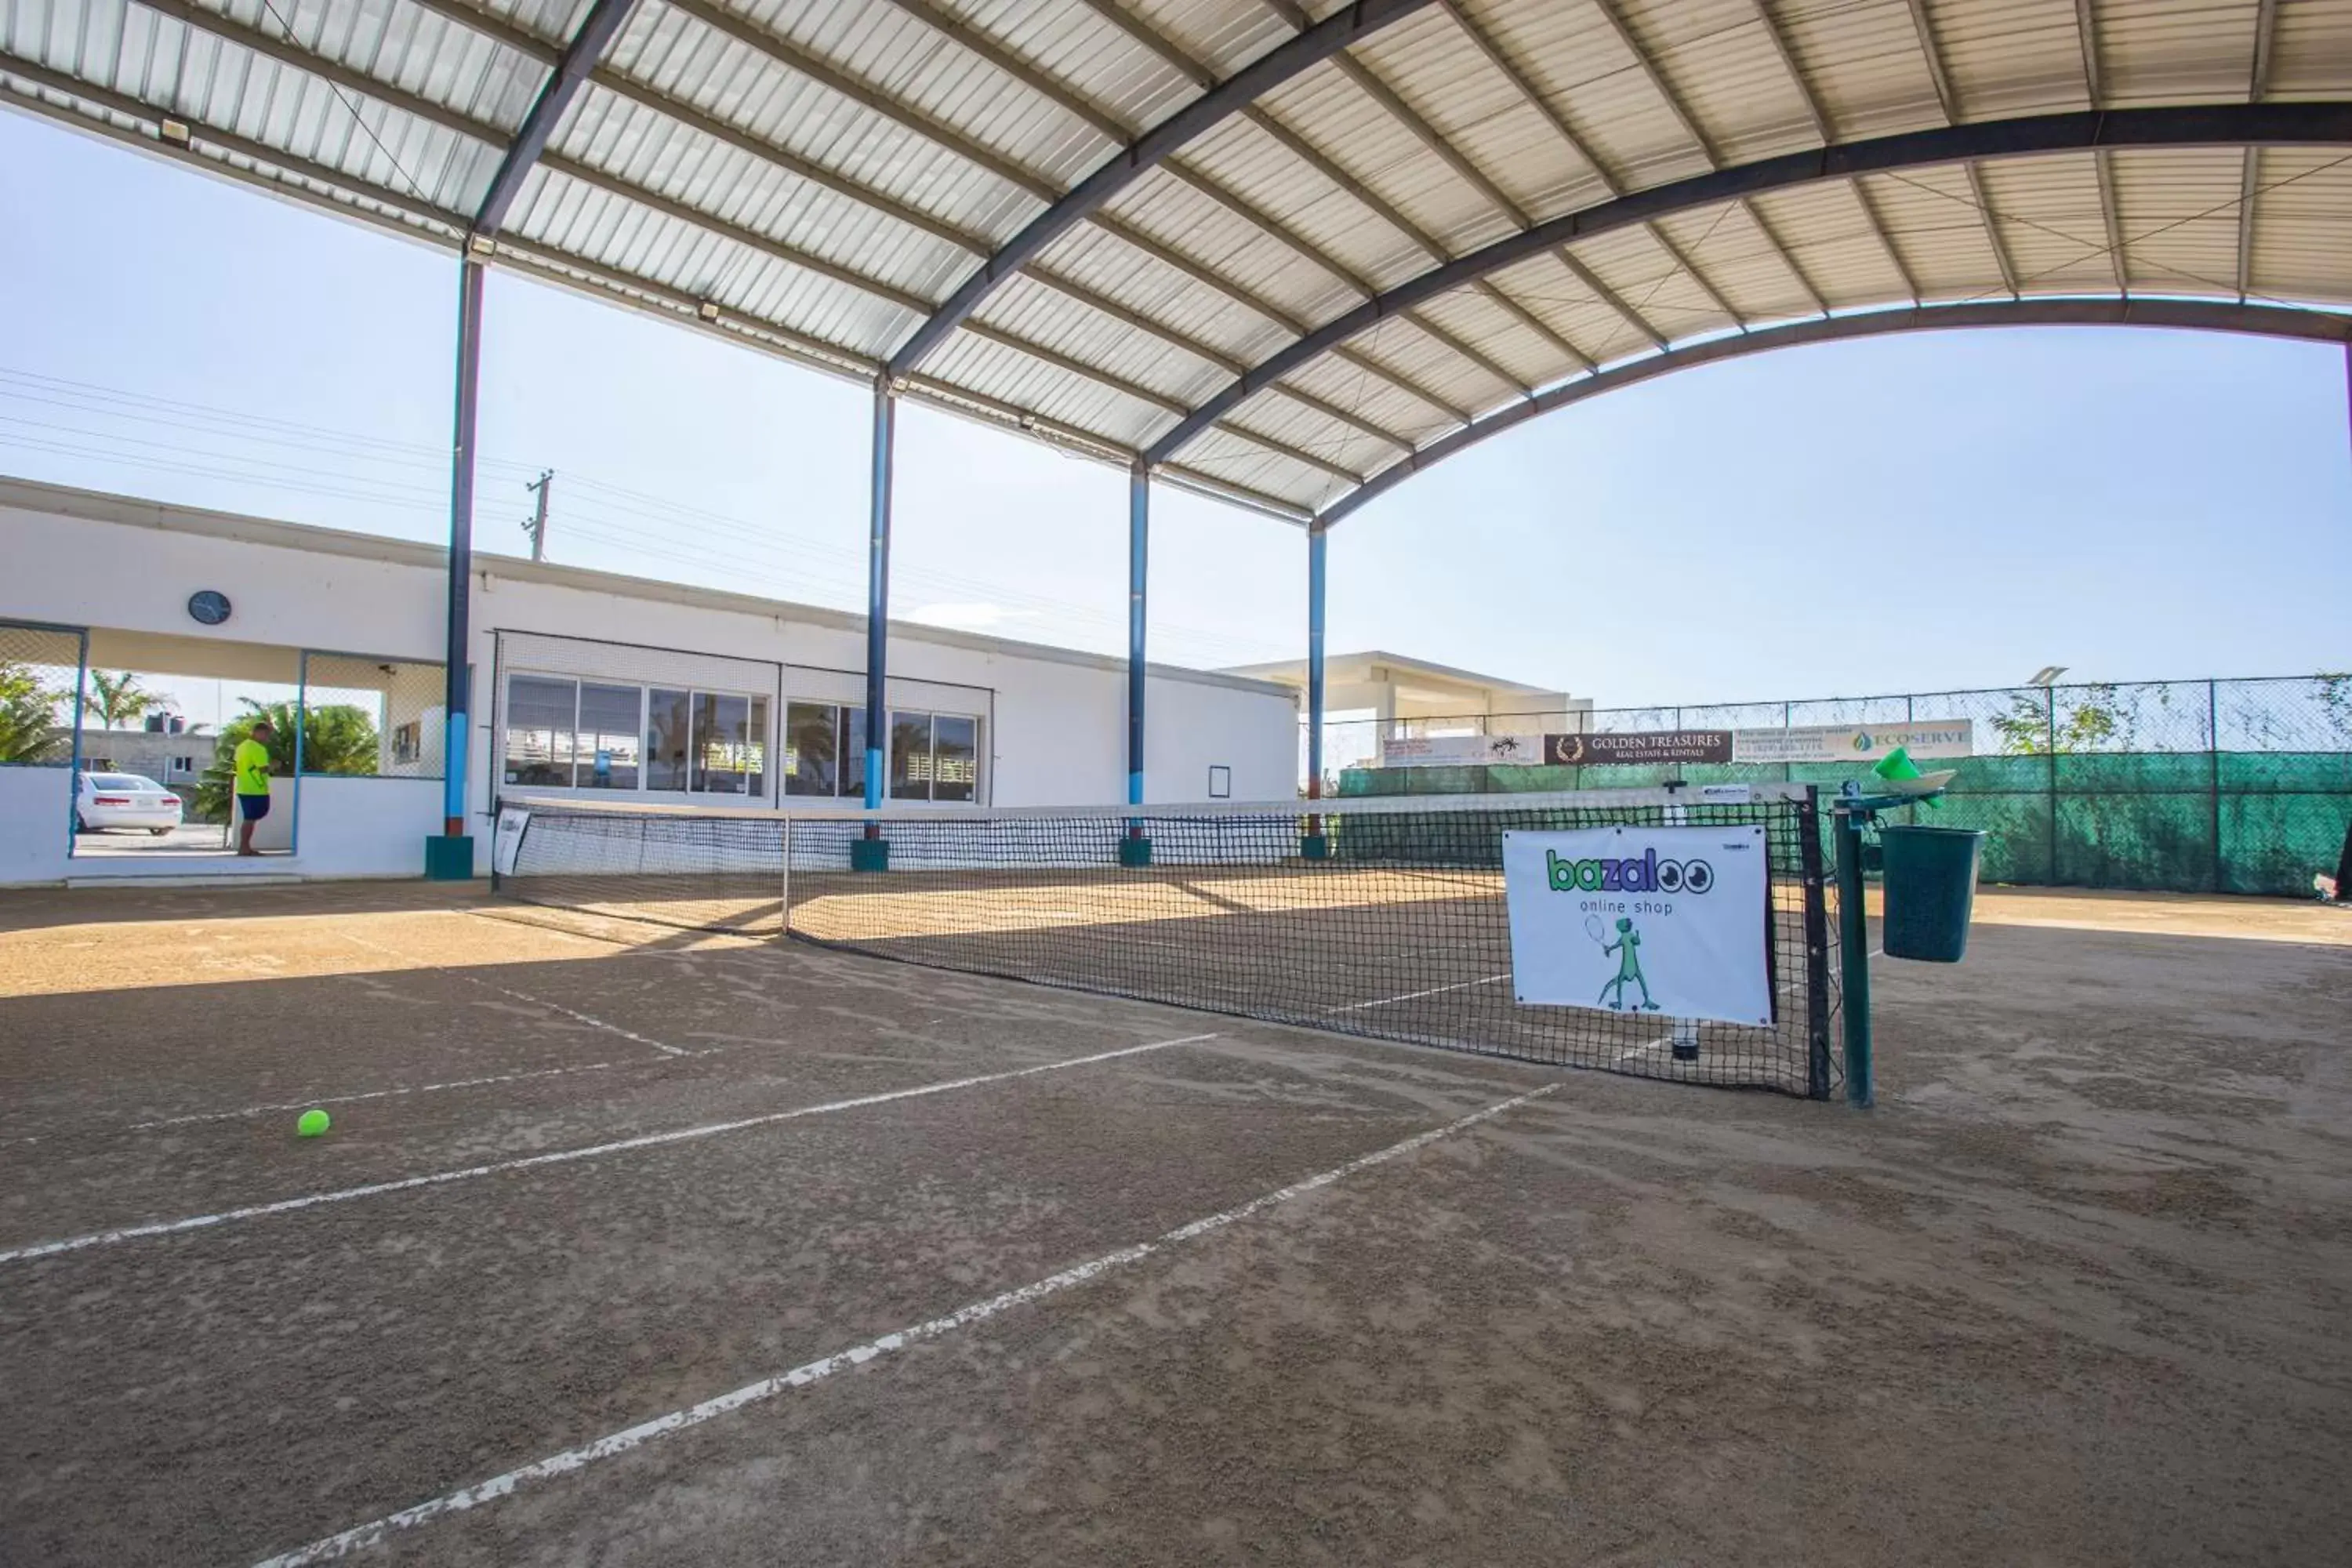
{"points": [[312, 1123]]}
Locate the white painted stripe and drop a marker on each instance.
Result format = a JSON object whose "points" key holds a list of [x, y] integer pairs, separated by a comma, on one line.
{"points": [[360, 1537], [513, 996], [1628, 1054], [1416, 996], [558, 1157], [372, 1094]]}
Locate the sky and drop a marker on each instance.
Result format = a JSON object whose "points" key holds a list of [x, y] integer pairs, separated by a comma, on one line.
{"points": [[1922, 513]]}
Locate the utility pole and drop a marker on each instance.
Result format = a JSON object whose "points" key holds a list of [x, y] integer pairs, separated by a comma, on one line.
{"points": [[537, 526]]}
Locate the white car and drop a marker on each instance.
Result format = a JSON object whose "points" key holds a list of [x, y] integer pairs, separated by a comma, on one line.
{"points": [[124, 800]]}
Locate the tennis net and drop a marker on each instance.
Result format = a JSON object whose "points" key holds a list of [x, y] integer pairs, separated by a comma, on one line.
{"points": [[1375, 916]]}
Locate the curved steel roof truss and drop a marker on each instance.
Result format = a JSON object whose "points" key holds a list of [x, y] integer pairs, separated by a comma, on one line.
{"points": [[2213, 126]]}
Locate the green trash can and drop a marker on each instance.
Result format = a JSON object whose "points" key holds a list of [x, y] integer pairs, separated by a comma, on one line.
{"points": [[1930, 885]]}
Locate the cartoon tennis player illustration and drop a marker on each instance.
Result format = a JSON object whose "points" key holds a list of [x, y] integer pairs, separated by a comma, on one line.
{"points": [[1629, 963]]}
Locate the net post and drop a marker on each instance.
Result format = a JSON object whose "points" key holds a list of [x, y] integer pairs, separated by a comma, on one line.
{"points": [[1817, 945], [784, 891], [1854, 959], [870, 851]]}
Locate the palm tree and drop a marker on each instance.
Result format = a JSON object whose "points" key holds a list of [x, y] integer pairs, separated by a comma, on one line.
{"points": [[119, 698], [29, 732], [336, 738]]}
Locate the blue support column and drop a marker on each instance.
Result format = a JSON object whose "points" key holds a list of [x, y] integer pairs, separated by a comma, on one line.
{"points": [[1316, 844], [450, 858], [872, 852], [1135, 849]]}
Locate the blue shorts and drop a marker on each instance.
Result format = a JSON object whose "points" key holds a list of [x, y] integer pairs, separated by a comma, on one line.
{"points": [[253, 807]]}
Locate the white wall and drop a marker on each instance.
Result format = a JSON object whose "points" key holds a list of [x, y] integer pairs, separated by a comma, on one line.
{"points": [[1054, 731], [34, 822], [365, 827]]}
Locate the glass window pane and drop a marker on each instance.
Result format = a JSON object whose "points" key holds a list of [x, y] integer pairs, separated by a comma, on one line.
{"points": [[755, 748], [809, 728], [911, 756], [609, 717], [539, 730], [955, 758], [668, 726], [724, 760], [853, 751]]}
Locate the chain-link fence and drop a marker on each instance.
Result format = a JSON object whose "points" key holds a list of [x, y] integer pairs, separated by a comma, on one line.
{"points": [[40, 672], [2240, 787], [371, 717]]}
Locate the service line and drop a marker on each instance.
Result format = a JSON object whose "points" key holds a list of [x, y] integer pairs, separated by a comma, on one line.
{"points": [[559, 1156], [359, 1537], [513, 995]]}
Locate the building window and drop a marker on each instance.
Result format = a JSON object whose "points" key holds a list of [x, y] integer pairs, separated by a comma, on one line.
{"points": [[932, 756], [911, 756], [730, 745], [588, 734], [609, 720], [811, 756], [955, 758], [540, 712], [669, 730]]}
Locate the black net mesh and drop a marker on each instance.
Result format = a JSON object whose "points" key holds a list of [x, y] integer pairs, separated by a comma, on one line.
{"points": [[1366, 918]]}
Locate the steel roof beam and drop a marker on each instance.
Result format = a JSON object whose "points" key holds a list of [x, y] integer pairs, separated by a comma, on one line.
{"points": [[1307, 153], [1699, 137], [1948, 97], [1533, 97], [1453, 157], [597, 30], [580, 274], [982, 46], [1827, 134], [1213, 108], [2205, 315], [2258, 83], [291, 54], [2086, 35], [2207, 125]]}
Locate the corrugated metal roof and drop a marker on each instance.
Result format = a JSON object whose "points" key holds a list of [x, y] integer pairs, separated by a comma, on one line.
{"points": [[824, 175]]}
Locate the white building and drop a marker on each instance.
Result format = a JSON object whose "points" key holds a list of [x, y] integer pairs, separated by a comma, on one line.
{"points": [[1395, 689], [584, 683]]}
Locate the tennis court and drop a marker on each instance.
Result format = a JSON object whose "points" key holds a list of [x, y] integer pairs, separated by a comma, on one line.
{"points": [[634, 1243]]}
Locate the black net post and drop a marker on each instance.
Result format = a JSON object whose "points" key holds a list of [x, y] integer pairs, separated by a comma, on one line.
{"points": [[1817, 945]]}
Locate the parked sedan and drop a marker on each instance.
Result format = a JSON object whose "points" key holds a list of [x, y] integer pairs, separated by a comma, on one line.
{"points": [[124, 800]]}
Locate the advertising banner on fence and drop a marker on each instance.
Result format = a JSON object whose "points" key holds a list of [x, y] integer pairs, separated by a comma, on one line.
{"points": [[1460, 750], [1925, 739], [1670, 921], [1640, 746]]}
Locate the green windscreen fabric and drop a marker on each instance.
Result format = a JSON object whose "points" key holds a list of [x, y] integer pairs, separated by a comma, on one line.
{"points": [[2188, 822]]}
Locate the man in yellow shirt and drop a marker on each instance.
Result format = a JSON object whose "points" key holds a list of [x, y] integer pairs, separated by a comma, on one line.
{"points": [[252, 763]]}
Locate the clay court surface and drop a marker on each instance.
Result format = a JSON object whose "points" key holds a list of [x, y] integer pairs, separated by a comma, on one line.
{"points": [[1189, 1289]]}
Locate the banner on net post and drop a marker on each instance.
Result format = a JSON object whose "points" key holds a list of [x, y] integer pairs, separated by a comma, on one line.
{"points": [[1925, 739], [1668, 922], [1460, 750]]}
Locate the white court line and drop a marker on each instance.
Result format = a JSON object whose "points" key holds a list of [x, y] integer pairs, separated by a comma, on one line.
{"points": [[1415, 995], [372, 1094], [513, 996], [558, 1157], [360, 1537], [1631, 1051]]}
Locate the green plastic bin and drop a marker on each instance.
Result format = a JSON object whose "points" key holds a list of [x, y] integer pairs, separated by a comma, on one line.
{"points": [[1930, 885]]}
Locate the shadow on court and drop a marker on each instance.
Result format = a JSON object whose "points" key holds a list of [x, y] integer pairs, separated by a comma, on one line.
{"points": [[2074, 1292]]}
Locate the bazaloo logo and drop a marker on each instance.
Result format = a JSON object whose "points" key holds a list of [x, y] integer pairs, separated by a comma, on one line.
{"points": [[1647, 874]]}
